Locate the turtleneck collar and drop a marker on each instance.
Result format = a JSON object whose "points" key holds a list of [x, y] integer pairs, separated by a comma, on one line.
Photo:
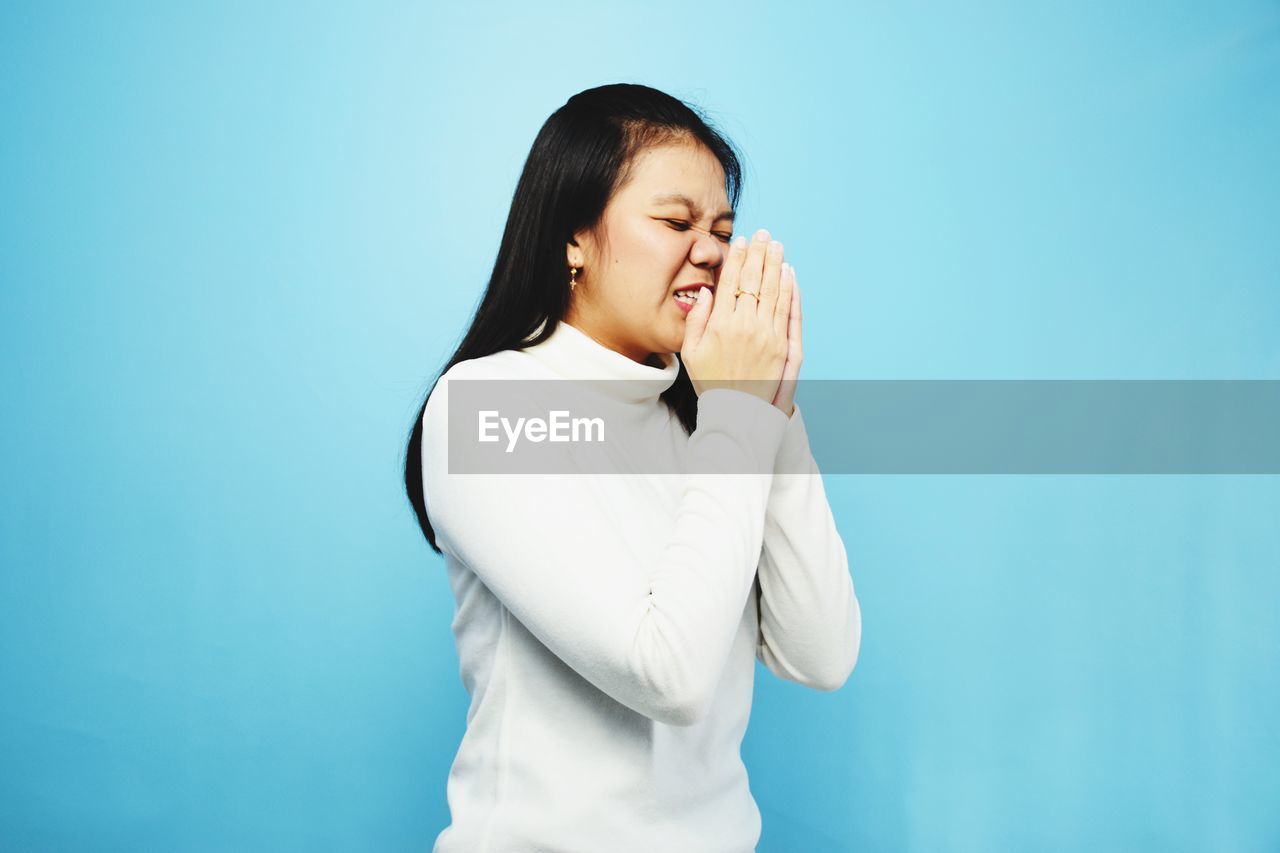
{"points": [[574, 354]]}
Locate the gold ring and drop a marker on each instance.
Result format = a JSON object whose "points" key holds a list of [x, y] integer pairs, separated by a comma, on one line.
{"points": [[740, 291]]}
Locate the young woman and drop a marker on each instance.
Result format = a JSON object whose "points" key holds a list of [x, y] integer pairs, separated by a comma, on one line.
{"points": [[608, 627]]}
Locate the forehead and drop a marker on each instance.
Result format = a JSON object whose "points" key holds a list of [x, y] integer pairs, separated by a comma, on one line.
{"points": [[677, 169]]}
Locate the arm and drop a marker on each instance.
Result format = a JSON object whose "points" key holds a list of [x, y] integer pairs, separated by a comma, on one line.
{"points": [[810, 620], [654, 638]]}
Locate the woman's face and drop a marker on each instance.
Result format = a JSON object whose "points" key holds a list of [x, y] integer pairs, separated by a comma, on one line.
{"points": [[646, 250]]}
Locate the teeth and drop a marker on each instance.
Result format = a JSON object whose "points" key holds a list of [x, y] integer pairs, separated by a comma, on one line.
{"points": [[686, 296]]}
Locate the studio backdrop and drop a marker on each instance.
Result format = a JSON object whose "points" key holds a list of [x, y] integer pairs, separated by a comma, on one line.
{"points": [[237, 242]]}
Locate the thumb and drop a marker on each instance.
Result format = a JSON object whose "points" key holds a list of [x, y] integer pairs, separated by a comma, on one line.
{"points": [[695, 322]]}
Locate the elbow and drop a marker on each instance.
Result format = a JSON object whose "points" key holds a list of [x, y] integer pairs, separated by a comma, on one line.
{"points": [[834, 677], [827, 685], [680, 709], [683, 715], [677, 688]]}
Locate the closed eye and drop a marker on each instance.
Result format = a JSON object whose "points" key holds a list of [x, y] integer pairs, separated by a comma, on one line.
{"points": [[681, 225]]}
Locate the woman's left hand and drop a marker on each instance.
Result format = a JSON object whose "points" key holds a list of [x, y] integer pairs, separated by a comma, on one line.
{"points": [[785, 398]]}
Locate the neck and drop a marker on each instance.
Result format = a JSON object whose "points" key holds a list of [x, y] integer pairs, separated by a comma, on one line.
{"points": [[575, 354], [599, 333]]}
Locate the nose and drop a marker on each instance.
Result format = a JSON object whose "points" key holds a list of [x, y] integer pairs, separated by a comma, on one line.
{"points": [[708, 250]]}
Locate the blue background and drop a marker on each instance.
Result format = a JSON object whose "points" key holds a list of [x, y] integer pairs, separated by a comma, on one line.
{"points": [[238, 241]]}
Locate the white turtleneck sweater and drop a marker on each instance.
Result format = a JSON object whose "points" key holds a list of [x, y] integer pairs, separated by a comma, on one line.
{"points": [[608, 626]]}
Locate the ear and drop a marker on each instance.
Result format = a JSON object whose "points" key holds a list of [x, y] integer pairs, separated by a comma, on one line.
{"points": [[573, 253]]}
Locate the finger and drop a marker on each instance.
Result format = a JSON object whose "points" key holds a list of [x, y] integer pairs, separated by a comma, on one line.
{"points": [[797, 317], [752, 272], [695, 323], [730, 275], [786, 303], [770, 281], [795, 349]]}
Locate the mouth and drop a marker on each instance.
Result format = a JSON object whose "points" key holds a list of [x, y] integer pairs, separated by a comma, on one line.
{"points": [[687, 294]]}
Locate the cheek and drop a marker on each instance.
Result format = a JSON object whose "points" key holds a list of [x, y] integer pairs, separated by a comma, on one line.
{"points": [[649, 256]]}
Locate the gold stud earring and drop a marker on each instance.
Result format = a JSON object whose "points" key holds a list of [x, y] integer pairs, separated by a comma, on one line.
{"points": [[573, 277]]}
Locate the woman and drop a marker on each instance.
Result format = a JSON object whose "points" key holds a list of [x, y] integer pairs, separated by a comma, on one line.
{"points": [[608, 627]]}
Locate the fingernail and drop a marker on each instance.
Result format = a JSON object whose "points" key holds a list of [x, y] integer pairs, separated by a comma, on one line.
{"points": [[762, 235], [739, 242], [774, 247]]}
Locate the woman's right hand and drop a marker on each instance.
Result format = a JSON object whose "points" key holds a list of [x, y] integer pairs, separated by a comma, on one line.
{"points": [[741, 342]]}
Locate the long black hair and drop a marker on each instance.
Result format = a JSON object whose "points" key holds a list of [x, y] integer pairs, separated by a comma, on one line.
{"points": [[583, 154]]}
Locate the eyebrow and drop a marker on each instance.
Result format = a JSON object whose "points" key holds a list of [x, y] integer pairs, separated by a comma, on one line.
{"points": [[681, 198]]}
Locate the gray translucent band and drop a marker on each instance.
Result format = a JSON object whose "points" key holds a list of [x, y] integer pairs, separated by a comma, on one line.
{"points": [[897, 427]]}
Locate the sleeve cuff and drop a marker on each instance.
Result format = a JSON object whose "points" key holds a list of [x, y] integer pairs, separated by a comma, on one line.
{"points": [[759, 426], [794, 455]]}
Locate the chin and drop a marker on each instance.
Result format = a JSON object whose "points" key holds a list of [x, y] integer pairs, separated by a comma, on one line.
{"points": [[671, 344]]}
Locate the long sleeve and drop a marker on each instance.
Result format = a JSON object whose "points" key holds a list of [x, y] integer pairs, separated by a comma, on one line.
{"points": [[810, 620], [654, 638]]}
